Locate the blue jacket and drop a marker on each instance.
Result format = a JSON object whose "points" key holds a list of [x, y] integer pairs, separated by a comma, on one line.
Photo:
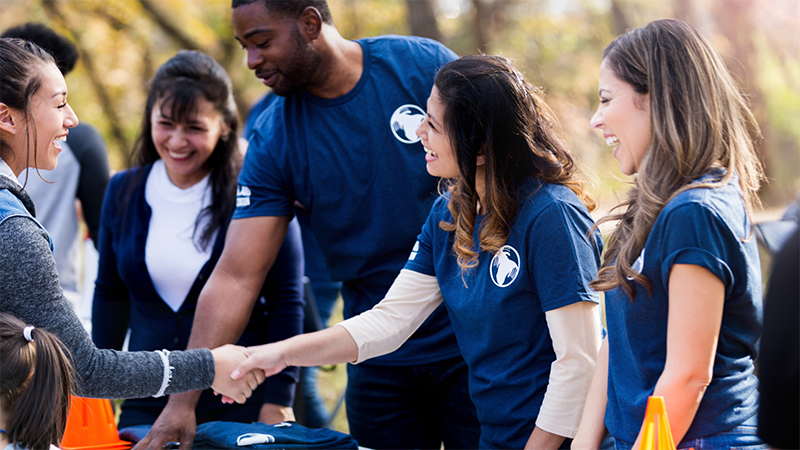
{"points": [[125, 298]]}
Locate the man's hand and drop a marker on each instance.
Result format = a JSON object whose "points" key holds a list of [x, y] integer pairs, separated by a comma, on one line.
{"points": [[177, 423], [272, 414], [226, 359]]}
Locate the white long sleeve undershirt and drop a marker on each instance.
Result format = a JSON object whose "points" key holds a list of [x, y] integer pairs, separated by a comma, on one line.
{"points": [[574, 330]]}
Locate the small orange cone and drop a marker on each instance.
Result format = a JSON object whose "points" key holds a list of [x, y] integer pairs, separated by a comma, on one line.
{"points": [[90, 425], [656, 434]]}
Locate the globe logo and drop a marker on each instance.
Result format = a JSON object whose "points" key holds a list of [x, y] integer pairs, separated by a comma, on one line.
{"points": [[404, 123], [505, 266]]}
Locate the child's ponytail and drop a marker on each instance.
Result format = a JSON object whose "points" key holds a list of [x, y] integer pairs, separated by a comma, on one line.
{"points": [[35, 384]]}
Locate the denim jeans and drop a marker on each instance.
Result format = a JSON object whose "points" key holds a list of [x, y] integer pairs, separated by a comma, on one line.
{"points": [[742, 437], [412, 407]]}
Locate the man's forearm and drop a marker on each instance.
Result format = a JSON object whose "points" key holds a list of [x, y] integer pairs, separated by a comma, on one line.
{"points": [[226, 302], [223, 311]]}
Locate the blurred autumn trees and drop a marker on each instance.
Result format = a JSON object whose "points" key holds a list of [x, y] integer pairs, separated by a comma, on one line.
{"points": [[557, 43]]}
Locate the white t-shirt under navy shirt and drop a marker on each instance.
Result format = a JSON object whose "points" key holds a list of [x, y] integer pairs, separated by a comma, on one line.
{"points": [[708, 228], [173, 256], [498, 308], [355, 163]]}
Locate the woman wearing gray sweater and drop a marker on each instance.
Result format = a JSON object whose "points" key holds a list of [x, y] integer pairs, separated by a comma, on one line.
{"points": [[34, 118]]}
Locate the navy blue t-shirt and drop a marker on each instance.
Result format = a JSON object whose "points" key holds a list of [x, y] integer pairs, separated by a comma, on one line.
{"points": [[355, 163], [708, 228], [498, 308]]}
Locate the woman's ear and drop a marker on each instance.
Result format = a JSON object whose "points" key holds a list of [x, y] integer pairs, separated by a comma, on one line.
{"points": [[481, 159], [8, 120]]}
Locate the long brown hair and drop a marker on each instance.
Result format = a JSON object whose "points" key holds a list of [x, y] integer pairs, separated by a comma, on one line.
{"points": [[36, 379], [699, 119], [489, 107]]}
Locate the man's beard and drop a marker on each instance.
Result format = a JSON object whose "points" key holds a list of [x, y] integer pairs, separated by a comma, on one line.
{"points": [[301, 69]]}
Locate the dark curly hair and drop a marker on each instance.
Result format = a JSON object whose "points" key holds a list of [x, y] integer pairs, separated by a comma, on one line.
{"points": [[63, 51], [291, 9]]}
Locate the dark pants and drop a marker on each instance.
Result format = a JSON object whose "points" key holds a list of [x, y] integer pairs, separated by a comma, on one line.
{"points": [[412, 407], [326, 291]]}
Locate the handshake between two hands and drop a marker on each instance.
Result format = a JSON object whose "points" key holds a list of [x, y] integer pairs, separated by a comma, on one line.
{"points": [[239, 370]]}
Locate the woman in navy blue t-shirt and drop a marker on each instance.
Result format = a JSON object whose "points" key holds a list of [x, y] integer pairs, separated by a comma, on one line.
{"points": [[681, 270], [505, 248]]}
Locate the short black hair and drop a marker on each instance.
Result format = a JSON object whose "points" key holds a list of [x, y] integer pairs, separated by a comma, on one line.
{"points": [[64, 52], [291, 8]]}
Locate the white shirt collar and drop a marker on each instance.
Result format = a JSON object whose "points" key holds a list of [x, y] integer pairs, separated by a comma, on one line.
{"points": [[5, 170]]}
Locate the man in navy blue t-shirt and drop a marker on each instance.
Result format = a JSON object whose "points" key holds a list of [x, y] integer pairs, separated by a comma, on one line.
{"points": [[340, 140]]}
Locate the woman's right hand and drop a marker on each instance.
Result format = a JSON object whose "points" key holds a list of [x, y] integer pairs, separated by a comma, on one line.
{"points": [[266, 360], [226, 359]]}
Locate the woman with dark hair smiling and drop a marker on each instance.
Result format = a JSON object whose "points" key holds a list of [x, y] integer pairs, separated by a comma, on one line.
{"points": [[506, 249], [163, 229], [34, 118], [681, 271]]}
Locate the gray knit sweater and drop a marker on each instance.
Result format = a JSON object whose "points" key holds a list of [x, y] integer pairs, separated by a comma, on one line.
{"points": [[29, 290]]}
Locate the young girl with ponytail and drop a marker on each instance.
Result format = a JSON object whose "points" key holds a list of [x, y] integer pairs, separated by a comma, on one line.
{"points": [[35, 385]]}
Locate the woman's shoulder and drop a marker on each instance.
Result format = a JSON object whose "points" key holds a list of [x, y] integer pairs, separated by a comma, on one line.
{"points": [[725, 200], [537, 195], [719, 207], [126, 176], [441, 205]]}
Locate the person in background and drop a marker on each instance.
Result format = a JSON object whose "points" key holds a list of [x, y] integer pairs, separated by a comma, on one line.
{"points": [[505, 249], [36, 379], [339, 140], [34, 119], [681, 272], [163, 229], [779, 362], [324, 290], [82, 174]]}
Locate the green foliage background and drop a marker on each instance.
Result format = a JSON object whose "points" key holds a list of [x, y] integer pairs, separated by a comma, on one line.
{"points": [[557, 43]]}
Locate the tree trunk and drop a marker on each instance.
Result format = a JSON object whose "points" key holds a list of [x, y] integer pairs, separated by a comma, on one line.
{"points": [[684, 10], [618, 19], [735, 21], [422, 20], [480, 25]]}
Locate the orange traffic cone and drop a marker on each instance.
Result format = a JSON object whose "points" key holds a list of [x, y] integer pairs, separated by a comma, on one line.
{"points": [[656, 434], [90, 425]]}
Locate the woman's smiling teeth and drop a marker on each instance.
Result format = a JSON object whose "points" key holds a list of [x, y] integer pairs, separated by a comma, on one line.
{"points": [[178, 155], [59, 138], [431, 154], [612, 140]]}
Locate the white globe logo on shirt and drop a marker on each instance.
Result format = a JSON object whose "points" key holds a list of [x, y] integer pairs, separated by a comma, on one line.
{"points": [[405, 121], [505, 266]]}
